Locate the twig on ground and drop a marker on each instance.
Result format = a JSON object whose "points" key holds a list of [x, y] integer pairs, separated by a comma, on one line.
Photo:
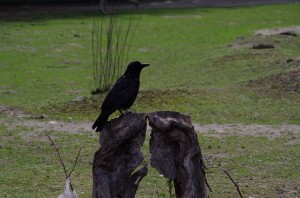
{"points": [[236, 185]]}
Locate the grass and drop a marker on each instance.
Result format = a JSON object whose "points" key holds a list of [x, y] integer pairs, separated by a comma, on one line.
{"points": [[261, 166], [51, 55], [200, 66], [32, 166]]}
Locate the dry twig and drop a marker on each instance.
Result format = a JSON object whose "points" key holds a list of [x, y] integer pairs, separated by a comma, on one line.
{"points": [[75, 163], [58, 154], [236, 185], [62, 162]]}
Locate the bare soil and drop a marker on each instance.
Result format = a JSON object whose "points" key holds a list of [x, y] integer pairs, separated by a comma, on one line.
{"points": [[15, 119], [283, 30]]}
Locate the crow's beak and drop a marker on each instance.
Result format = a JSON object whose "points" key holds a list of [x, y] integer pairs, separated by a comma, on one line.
{"points": [[145, 64]]}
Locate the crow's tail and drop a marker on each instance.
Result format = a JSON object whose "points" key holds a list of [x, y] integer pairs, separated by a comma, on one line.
{"points": [[101, 121]]}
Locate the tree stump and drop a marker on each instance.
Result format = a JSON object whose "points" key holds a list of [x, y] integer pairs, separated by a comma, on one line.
{"points": [[120, 154], [174, 148], [176, 154]]}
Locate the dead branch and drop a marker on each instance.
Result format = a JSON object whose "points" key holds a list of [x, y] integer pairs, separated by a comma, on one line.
{"points": [[236, 185], [58, 154], [68, 175]]}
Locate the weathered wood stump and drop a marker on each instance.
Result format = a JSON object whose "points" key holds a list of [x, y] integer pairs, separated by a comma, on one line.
{"points": [[118, 157], [175, 153]]}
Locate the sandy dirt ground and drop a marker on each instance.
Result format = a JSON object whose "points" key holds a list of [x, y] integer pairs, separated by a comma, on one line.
{"points": [[16, 120]]}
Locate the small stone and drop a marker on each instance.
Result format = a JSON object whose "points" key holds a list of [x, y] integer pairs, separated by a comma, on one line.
{"points": [[43, 116], [78, 99]]}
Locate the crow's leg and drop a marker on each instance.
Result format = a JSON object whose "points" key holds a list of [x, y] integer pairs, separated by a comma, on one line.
{"points": [[121, 112]]}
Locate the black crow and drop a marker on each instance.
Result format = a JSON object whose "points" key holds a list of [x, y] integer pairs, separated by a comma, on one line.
{"points": [[122, 95]]}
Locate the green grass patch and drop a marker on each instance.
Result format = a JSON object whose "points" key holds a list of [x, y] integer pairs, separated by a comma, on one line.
{"points": [[46, 57], [30, 166], [261, 166], [46, 60]]}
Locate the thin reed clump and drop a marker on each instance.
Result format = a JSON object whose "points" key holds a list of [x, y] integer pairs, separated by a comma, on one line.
{"points": [[112, 36]]}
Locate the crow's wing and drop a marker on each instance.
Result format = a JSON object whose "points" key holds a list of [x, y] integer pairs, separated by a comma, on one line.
{"points": [[122, 92]]}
